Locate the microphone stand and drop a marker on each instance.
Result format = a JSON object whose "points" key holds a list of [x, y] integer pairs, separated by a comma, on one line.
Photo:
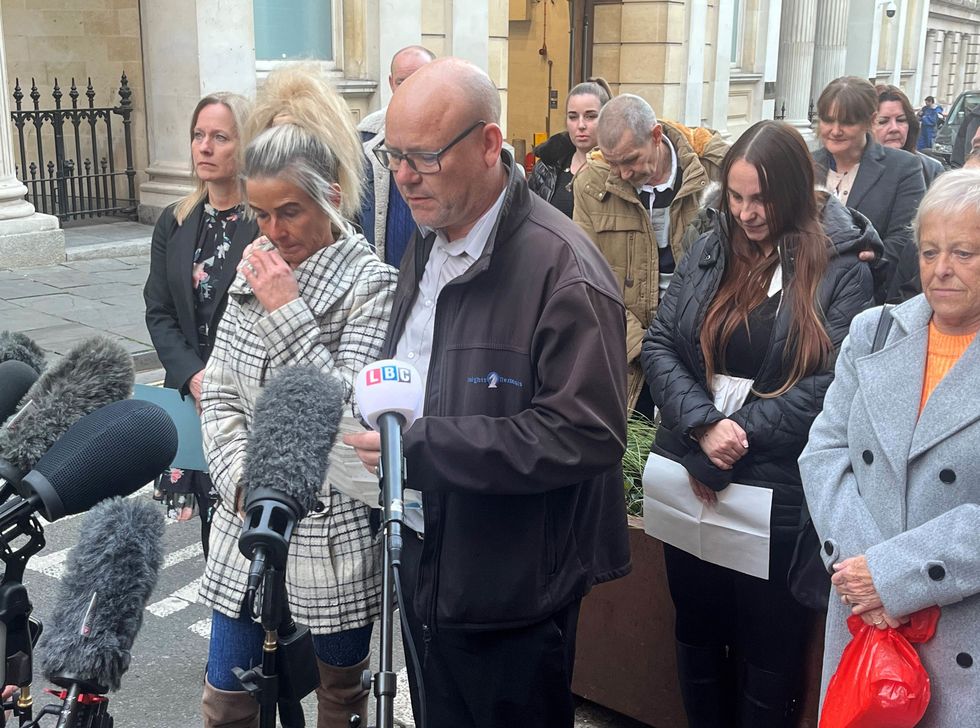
{"points": [[392, 473], [17, 522], [288, 671]]}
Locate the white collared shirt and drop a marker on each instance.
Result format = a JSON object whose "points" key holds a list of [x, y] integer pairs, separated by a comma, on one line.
{"points": [[447, 261]]}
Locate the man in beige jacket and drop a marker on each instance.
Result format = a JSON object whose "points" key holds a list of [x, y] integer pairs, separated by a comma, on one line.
{"points": [[635, 198]]}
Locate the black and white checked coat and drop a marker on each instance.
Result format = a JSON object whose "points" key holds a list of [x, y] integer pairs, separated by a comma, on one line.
{"points": [[333, 574]]}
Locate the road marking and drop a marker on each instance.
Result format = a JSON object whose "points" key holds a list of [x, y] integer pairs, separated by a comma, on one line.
{"points": [[202, 628], [52, 564], [178, 600], [184, 554]]}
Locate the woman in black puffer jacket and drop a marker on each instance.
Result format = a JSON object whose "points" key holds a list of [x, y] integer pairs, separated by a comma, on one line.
{"points": [[758, 309], [564, 154]]}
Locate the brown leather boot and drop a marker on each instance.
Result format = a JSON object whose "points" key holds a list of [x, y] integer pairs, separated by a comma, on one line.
{"points": [[341, 695], [228, 708]]}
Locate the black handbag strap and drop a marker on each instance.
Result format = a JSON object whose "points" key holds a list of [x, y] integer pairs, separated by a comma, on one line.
{"points": [[884, 326]]}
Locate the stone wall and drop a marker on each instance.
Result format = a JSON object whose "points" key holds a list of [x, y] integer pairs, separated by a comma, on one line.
{"points": [[80, 39]]}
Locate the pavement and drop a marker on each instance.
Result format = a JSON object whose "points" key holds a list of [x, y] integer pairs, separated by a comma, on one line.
{"points": [[98, 289]]}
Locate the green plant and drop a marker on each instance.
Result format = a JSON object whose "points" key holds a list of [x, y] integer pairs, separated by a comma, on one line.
{"points": [[639, 437]]}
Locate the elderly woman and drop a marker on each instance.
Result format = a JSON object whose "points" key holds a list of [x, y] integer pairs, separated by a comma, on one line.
{"points": [[196, 246], [890, 471], [883, 184], [310, 292]]}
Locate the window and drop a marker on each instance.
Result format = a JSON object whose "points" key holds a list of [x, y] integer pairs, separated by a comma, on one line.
{"points": [[736, 50], [287, 30]]}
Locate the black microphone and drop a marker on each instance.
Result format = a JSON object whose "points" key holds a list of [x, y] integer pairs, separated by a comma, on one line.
{"points": [[110, 575], [16, 379], [297, 416], [15, 346], [111, 452], [92, 374]]}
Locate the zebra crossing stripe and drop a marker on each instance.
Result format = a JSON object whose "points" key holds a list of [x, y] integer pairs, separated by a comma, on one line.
{"points": [[202, 628], [52, 564], [178, 600], [184, 554]]}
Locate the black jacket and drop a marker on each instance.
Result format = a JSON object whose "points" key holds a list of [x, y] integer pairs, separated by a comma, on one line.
{"points": [[887, 190], [554, 155], [169, 294], [521, 482], [777, 428]]}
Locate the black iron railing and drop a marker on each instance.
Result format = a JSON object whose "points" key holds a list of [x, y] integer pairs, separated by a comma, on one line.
{"points": [[67, 156]]}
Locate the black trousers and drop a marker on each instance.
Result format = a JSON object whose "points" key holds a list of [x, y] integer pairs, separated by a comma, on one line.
{"points": [[756, 619], [492, 679]]}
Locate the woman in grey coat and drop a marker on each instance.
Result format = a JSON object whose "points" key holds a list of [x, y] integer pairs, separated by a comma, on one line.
{"points": [[890, 471]]}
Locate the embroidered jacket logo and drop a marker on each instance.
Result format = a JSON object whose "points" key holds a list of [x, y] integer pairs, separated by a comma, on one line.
{"points": [[493, 380]]}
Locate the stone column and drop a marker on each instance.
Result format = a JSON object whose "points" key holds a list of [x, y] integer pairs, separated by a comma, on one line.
{"points": [[400, 25], [830, 47], [190, 49], [935, 62], [795, 72], [723, 67], [966, 49], [951, 55], [27, 238], [471, 32]]}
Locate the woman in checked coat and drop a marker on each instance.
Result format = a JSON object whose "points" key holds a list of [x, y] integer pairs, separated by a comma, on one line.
{"points": [[310, 292]]}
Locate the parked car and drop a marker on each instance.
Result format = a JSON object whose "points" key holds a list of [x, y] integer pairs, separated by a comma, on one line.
{"points": [[955, 116]]}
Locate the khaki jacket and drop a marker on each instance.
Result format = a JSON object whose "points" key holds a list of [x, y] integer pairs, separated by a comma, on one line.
{"points": [[610, 212]]}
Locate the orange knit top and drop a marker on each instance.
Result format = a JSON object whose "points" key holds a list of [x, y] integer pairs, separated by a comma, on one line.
{"points": [[943, 352]]}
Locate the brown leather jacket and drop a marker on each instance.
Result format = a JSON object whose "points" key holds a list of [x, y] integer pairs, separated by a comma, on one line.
{"points": [[609, 210]]}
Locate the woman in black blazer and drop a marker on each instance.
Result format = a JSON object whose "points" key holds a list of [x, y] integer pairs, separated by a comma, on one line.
{"points": [[883, 184], [197, 244]]}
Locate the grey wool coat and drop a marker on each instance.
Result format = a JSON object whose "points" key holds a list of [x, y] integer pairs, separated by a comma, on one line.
{"points": [[337, 325], [904, 490]]}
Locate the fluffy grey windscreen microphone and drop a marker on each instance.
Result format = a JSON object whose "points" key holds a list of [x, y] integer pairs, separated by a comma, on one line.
{"points": [[296, 419], [20, 347], [94, 373], [117, 559]]}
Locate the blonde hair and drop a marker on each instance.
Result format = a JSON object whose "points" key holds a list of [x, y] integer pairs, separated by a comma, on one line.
{"points": [[239, 107], [302, 129]]}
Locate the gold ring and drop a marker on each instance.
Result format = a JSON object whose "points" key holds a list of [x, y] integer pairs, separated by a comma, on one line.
{"points": [[846, 600], [878, 621]]}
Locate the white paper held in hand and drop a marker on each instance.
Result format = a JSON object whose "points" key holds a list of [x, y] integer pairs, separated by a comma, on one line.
{"points": [[733, 533]]}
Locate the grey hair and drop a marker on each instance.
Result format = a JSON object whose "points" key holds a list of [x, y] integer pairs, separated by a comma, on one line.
{"points": [[626, 112], [288, 151], [952, 195]]}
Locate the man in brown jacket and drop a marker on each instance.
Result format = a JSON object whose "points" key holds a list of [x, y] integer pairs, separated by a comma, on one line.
{"points": [[635, 198]]}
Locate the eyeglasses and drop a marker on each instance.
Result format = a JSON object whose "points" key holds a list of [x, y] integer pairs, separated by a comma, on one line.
{"points": [[420, 162]]}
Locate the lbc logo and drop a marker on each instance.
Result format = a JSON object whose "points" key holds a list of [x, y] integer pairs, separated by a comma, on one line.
{"points": [[388, 373]]}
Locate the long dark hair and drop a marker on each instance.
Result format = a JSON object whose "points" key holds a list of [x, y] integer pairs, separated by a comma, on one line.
{"points": [[786, 179]]}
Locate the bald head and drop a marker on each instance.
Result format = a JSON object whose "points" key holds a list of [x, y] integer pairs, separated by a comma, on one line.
{"points": [[468, 87], [406, 62]]}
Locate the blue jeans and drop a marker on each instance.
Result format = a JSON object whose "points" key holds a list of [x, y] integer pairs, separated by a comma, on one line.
{"points": [[238, 643]]}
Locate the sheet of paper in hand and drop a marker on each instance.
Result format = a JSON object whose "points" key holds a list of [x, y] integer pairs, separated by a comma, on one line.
{"points": [[733, 533]]}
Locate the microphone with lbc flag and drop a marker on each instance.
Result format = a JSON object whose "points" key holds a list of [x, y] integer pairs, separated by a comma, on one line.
{"points": [[389, 396]]}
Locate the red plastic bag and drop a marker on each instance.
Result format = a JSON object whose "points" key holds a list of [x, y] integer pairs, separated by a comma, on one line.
{"points": [[880, 681]]}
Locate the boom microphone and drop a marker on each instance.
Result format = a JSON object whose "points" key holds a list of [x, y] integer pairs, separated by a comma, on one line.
{"points": [[15, 346], [109, 577], [16, 378], [297, 416], [389, 395], [94, 373]]}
